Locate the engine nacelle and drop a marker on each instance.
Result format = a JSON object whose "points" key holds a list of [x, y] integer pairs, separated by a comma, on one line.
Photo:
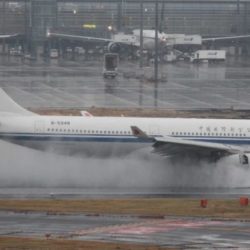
{"points": [[114, 47], [244, 159]]}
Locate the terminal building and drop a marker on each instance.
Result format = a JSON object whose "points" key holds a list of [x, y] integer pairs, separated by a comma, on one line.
{"points": [[32, 19]]}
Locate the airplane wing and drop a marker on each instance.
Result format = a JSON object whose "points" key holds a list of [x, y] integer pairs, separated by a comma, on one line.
{"points": [[177, 147], [8, 36], [226, 38], [78, 37], [125, 42]]}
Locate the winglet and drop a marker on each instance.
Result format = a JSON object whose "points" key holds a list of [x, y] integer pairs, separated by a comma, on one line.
{"points": [[138, 132]]}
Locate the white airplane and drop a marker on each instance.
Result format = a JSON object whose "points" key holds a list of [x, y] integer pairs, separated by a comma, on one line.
{"points": [[178, 138], [119, 39]]}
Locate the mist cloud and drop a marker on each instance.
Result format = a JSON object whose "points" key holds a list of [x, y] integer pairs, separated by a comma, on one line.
{"points": [[23, 167]]}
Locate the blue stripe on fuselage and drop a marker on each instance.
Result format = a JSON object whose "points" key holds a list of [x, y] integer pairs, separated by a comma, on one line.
{"points": [[70, 138], [113, 138], [222, 140]]}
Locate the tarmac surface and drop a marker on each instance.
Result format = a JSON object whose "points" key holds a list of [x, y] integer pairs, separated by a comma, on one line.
{"points": [[74, 84], [125, 192], [194, 233]]}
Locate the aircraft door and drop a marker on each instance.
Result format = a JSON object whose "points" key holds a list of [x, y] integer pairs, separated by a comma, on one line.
{"points": [[39, 126]]}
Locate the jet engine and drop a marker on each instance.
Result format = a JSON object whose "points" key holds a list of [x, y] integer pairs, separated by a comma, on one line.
{"points": [[114, 47]]}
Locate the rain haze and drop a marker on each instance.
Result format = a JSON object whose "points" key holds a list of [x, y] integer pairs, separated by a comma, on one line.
{"points": [[24, 167], [163, 85]]}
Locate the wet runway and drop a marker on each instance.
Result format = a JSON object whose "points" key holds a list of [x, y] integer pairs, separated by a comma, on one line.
{"points": [[110, 193], [80, 84], [195, 233], [177, 232], [71, 84], [183, 232]]}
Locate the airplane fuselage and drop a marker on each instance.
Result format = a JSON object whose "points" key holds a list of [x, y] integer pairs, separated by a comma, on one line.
{"points": [[106, 135]]}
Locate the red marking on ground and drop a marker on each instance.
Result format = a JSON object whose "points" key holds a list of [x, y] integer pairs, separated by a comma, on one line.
{"points": [[164, 226], [149, 227]]}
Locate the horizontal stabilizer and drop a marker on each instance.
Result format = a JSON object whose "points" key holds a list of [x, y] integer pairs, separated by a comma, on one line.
{"points": [[86, 113], [7, 105]]}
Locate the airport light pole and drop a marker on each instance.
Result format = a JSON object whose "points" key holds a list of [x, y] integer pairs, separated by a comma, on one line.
{"points": [[141, 34], [156, 41], [3, 23], [156, 54], [141, 50], [238, 26]]}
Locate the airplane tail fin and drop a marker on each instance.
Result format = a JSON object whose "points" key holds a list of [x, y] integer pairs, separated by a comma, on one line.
{"points": [[138, 132], [7, 105]]}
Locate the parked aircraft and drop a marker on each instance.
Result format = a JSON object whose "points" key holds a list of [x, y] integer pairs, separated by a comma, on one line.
{"points": [[119, 39], [180, 42], [177, 138]]}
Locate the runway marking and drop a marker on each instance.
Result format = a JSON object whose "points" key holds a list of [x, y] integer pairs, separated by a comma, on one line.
{"points": [[164, 226], [148, 227]]}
